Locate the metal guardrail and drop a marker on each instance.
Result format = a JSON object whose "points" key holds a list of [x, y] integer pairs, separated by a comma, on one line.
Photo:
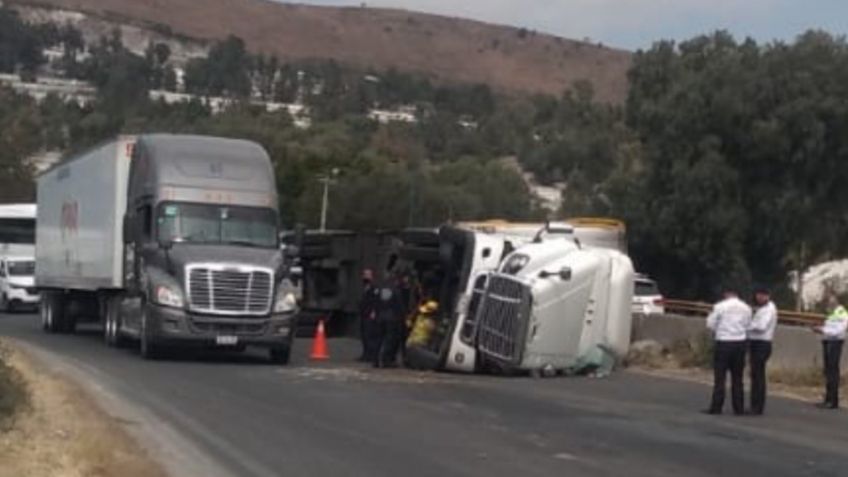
{"points": [[785, 317]]}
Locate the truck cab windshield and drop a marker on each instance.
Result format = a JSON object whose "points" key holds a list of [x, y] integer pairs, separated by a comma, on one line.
{"points": [[22, 268], [217, 225]]}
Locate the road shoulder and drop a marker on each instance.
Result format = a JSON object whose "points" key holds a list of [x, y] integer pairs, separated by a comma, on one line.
{"points": [[64, 432]]}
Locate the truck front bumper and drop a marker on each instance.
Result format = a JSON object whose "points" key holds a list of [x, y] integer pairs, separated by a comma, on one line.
{"points": [[22, 296], [177, 326]]}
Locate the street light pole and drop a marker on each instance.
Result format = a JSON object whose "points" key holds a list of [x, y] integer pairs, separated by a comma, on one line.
{"points": [[326, 182], [325, 202]]}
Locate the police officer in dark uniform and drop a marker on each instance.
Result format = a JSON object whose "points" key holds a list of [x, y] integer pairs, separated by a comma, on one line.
{"points": [[367, 317], [389, 315]]}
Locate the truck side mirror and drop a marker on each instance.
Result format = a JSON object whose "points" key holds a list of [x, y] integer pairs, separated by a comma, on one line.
{"points": [[291, 252], [130, 229]]}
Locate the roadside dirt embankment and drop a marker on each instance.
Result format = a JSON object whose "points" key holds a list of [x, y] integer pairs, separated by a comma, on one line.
{"points": [[57, 431]]}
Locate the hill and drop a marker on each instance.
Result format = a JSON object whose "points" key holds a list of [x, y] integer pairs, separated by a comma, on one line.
{"points": [[448, 49]]}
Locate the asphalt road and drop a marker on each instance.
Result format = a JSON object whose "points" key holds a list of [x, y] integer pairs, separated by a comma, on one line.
{"points": [[245, 417]]}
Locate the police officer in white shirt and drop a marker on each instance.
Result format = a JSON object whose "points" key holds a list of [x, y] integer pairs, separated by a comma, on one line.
{"points": [[760, 336], [729, 322]]}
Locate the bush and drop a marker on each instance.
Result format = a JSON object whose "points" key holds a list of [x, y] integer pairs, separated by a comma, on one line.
{"points": [[13, 393], [694, 353]]}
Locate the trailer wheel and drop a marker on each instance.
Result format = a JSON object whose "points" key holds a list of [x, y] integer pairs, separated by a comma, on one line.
{"points": [[148, 349], [45, 309], [53, 312], [68, 323], [280, 354]]}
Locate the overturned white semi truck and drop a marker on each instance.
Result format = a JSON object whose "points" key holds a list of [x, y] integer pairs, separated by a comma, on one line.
{"points": [[514, 302]]}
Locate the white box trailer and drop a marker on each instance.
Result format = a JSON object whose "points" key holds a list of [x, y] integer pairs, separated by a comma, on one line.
{"points": [[79, 224]]}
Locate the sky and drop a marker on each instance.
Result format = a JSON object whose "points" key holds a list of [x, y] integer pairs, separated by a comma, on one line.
{"points": [[635, 24]]}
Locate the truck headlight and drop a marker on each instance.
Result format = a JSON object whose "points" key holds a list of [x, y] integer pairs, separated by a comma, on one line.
{"points": [[286, 302], [168, 297], [515, 264]]}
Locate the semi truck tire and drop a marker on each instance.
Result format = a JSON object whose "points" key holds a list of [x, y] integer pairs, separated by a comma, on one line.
{"points": [[53, 312], [112, 322], [280, 354], [148, 349], [68, 323]]}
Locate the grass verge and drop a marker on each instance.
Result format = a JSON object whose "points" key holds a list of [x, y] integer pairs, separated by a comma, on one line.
{"points": [[13, 391], [57, 430], [692, 360]]}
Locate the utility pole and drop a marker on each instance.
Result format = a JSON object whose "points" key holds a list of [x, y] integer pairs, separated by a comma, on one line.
{"points": [[326, 180], [802, 261]]}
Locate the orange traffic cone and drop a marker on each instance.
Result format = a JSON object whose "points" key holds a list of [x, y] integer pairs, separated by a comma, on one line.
{"points": [[319, 344]]}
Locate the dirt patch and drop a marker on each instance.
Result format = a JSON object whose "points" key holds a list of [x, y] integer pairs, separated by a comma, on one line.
{"points": [[61, 433], [367, 374], [452, 49]]}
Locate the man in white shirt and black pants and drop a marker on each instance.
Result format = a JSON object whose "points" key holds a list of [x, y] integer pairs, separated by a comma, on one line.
{"points": [[760, 336], [729, 321]]}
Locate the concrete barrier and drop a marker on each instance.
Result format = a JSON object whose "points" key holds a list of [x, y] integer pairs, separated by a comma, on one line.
{"points": [[794, 347]]}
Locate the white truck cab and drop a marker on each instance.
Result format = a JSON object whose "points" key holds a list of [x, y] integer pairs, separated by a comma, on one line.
{"points": [[17, 284], [511, 299]]}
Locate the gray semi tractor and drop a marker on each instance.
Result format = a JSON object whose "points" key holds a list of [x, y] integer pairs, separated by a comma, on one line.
{"points": [[171, 240]]}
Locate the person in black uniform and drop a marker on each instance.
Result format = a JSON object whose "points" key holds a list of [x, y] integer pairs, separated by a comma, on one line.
{"points": [[389, 312], [367, 316]]}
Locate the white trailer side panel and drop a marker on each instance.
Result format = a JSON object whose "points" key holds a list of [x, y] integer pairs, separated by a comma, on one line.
{"points": [[79, 228]]}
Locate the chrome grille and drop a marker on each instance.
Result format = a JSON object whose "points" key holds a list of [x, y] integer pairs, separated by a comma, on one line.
{"points": [[502, 319], [229, 290], [469, 326]]}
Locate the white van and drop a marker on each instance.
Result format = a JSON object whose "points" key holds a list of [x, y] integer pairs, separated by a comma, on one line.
{"points": [[17, 284]]}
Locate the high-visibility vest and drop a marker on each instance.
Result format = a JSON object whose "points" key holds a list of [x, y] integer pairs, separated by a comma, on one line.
{"points": [[838, 314]]}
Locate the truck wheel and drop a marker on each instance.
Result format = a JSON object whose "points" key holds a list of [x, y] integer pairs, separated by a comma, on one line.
{"points": [[45, 309], [4, 303], [69, 324], [280, 354], [112, 322], [53, 312], [148, 349]]}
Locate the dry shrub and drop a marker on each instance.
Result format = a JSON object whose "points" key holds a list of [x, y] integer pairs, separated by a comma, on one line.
{"points": [[694, 353], [13, 391]]}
